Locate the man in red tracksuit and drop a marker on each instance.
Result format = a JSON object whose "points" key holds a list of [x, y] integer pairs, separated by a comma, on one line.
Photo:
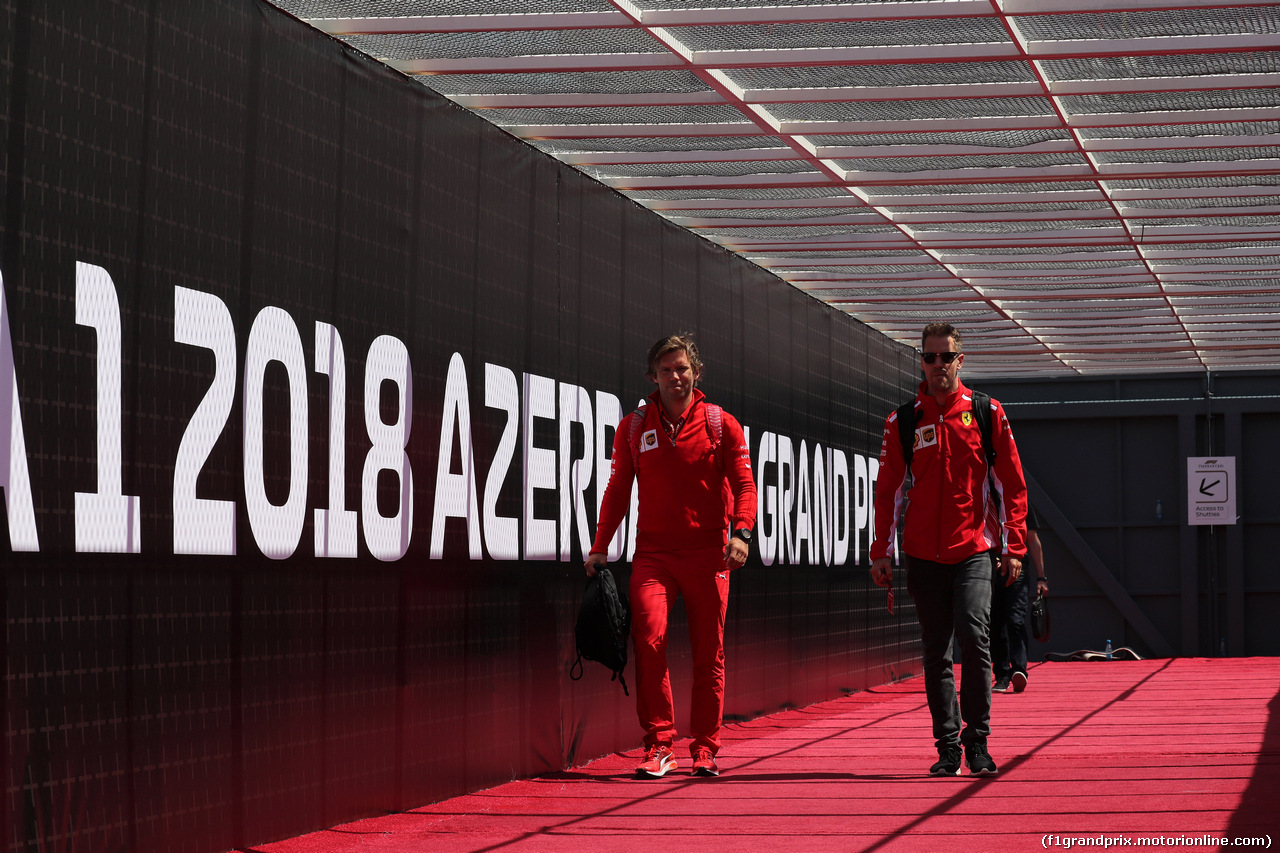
{"points": [[695, 486], [948, 544]]}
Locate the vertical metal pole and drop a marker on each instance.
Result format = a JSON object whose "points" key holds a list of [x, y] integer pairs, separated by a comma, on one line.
{"points": [[1233, 553], [1190, 593]]}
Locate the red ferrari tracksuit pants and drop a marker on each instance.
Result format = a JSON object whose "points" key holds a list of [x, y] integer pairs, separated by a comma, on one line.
{"points": [[657, 578]]}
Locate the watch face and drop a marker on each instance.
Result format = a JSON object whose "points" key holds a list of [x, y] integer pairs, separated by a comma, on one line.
{"points": [[744, 535]]}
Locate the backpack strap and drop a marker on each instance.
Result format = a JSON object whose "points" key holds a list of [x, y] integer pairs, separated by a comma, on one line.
{"points": [[575, 672], [982, 414], [715, 424], [715, 430]]}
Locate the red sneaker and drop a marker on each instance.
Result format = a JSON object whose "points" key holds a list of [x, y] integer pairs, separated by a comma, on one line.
{"points": [[659, 760], [704, 763]]}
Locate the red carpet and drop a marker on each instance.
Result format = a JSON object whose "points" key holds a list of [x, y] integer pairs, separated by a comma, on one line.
{"points": [[1125, 751]]}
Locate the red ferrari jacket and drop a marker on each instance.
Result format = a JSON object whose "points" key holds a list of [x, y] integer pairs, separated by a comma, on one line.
{"points": [[691, 491], [942, 514]]}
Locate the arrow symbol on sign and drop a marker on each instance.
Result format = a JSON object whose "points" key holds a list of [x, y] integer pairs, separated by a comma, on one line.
{"points": [[1206, 486]]}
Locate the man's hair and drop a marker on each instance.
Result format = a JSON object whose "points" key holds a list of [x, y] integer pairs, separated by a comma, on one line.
{"points": [[942, 330], [669, 344]]}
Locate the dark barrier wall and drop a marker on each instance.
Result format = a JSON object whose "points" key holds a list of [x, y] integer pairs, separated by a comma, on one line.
{"points": [[308, 381], [1125, 562]]}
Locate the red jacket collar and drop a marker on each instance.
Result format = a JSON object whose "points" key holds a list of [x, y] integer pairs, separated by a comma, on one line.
{"points": [[655, 399], [961, 392]]}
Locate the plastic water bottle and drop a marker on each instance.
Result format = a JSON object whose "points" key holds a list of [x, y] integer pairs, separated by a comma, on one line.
{"points": [[1107, 651]]}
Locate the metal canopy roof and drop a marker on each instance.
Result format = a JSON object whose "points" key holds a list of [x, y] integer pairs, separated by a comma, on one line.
{"points": [[1083, 187]]}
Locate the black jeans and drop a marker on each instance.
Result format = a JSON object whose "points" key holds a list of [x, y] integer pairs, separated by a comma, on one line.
{"points": [[953, 602], [1009, 624]]}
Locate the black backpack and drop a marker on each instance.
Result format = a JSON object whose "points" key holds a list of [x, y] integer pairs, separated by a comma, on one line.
{"points": [[981, 413], [604, 625]]}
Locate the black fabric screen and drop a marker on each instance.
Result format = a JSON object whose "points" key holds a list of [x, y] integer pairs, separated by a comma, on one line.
{"points": [[236, 610]]}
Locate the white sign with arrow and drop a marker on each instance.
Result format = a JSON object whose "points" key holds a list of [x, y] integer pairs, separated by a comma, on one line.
{"points": [[1211, 490]]}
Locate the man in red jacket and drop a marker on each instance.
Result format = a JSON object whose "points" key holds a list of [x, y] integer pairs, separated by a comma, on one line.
{"points": [[691, 461], [947, 543]]}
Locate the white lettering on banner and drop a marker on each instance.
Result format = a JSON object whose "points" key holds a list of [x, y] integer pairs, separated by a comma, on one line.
{"points": [[14, 477], [276, 529], [820, 553], [501, 533], [633, 516], [804, 509], [873, 475], [106, 520], [810, 509], [786, 498], [766, 532], [608, 415], [204, 525], [335, 533], [860, 498], [388, 537], [773, 515], [539, 467], [575, 474], [841, 528], [456, 493], [830, 507]]}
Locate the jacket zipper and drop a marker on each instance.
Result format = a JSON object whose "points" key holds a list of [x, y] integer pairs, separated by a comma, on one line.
{"points": [[937, 540]]}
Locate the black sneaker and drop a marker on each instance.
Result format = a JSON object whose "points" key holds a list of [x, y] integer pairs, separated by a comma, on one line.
{"points": [[979, 760], [1001, 686], [948, 762], [1019, 682]]}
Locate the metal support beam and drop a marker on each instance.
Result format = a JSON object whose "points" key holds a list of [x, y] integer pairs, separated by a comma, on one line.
{"points": [[1188, 538], [1233, 555]]}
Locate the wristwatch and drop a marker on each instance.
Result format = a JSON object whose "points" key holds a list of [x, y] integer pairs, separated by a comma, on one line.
{"points": [[744, 534]]}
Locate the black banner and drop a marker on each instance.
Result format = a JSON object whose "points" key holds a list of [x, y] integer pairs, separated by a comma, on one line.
{"points": [[308, 380]]}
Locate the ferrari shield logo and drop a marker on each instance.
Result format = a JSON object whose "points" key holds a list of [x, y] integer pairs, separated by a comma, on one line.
{"points": [[966, 418]]}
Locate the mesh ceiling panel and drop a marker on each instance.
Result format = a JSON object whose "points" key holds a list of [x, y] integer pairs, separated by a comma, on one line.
{"points": [[1083, 186]]}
